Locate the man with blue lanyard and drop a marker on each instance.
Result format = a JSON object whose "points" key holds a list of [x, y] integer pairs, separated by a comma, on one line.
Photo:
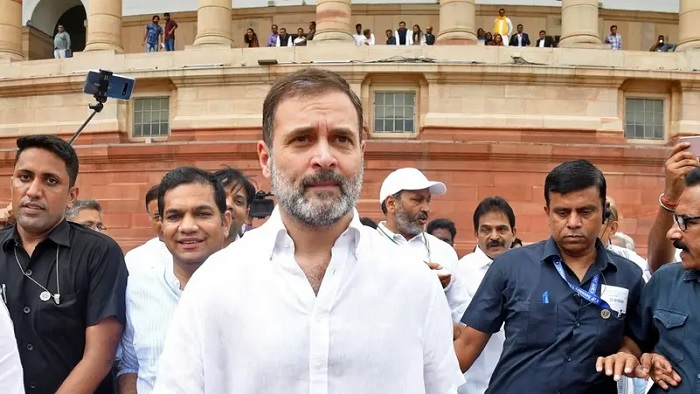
{"points": [[405, 200], [565, 301]]}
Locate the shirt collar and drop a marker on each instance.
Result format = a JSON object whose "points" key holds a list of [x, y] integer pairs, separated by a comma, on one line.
{"points": [[691, 275], [60, 235], [171, 280], [384, 230], [276, 232], [602, 257], [482, 260]]}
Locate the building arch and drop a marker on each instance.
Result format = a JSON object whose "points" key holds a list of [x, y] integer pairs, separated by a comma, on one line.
{"points": [[43, 15]]}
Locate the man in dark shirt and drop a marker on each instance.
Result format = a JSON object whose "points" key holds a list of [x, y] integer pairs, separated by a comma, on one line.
{"points": [[63, 283], [565, 301], [669, 318], [170, 26]]}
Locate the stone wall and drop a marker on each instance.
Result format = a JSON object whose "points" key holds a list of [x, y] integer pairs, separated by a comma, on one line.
{"points": [[485, 125]]}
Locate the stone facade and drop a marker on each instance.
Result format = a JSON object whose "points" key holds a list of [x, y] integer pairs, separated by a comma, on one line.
{"points": [[486, 120]]}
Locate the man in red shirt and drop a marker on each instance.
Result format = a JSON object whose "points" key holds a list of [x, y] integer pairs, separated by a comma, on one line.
{"points": [[170, 26]]}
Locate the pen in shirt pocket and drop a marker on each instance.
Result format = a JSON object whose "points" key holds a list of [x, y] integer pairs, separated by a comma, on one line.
{"points": [[545, 297]]}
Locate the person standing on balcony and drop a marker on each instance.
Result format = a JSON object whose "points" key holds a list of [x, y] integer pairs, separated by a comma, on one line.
{"points": [[614, 39], [61, 43], [502, 25], [170, 26], [154, 35]]}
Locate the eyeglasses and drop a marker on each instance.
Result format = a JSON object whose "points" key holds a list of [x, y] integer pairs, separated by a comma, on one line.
{"points": [[683, 221]]}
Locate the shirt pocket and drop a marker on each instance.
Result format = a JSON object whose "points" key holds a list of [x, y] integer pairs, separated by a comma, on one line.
{"points": [[671, 327], [541, 325], [62, 320], [610, 333]]}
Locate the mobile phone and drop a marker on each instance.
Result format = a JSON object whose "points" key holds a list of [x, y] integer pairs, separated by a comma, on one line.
{"points": [[120, 87], [694, 142]]}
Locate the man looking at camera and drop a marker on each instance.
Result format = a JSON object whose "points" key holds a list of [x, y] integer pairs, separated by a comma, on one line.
{"points": [[494, 228], [62, 282]]}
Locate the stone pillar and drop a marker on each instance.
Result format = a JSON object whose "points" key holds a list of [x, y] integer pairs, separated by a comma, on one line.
{"points": [[457, 22], [333, 22], [579, 23], [689, 25], [104, 26], [214, 23], [11, 29]]}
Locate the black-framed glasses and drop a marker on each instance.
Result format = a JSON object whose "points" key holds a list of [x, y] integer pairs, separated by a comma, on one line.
{"points": [[683, 221]]}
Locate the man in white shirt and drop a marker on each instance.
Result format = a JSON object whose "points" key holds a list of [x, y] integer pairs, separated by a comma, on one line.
{"points": [[360, 38], [239, 194], [312, 301], [405, 201], [494, 228], [153, 249], [194, 224], [609, 229], [11, 375]]}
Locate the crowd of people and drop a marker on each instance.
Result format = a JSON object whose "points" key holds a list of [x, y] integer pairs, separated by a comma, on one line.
{"points": [[316, 301]]}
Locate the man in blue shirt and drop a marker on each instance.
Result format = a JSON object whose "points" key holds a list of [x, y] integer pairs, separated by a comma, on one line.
{"points": [[565, 301], [153, 38], [669, 318]]}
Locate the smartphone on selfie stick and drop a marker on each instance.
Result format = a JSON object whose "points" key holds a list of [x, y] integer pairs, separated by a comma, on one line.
{"points": [[102, 85]]}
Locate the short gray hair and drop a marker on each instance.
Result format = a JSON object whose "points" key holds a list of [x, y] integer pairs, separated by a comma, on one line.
{"points": [[79, 205], [625, 239]]}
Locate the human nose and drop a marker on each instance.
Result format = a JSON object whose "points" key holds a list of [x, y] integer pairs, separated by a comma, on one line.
{"points": [[188, 224], [574, 221], [323, 156], [674, 233], [34, 189]]}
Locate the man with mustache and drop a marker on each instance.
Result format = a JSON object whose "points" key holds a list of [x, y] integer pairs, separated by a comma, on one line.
{"points": [[566, 302], [312, 301], [405, 201], [494, 228], [195, 223], [62, 282], [669, 320]]}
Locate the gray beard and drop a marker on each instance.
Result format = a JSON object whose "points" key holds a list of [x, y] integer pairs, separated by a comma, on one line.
{"points": [[404, 223], [322, 210]]}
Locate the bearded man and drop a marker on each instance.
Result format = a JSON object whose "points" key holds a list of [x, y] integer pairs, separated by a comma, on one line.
{"points": [[405, 198], [312, 301]]}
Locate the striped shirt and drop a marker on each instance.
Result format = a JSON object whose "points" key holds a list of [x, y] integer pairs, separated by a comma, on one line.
{"points": [[152, 294]]}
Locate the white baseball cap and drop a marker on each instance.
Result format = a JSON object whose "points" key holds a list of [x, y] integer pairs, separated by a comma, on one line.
{"points": [[409, 179]]}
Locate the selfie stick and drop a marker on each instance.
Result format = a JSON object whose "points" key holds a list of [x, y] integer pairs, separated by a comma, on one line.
{"points": [[100, 96]]}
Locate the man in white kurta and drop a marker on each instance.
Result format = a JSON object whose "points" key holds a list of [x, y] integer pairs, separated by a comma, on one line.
{"points": [[312, 301], [11, 376], [405, 200]]}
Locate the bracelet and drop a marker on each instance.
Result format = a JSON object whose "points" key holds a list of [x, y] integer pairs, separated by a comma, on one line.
{"points": [[667, 202], [663, 202]]}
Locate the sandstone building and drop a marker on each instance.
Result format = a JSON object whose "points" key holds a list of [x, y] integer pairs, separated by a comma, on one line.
{"points": [[485, 120]]}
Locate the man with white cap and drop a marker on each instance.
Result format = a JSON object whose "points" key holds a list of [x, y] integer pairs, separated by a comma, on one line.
{"points": [[405, 200]]}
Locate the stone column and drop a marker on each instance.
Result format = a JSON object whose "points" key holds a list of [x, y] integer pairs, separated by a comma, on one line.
{"points": [[457, 22], [333, 22], [11, 29], [214, 23], [689, 25], [104, 27], [579, 23]]}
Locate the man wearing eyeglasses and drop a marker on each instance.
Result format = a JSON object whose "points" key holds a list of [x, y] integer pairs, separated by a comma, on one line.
{"points": [[668, 324], [87, 212]]}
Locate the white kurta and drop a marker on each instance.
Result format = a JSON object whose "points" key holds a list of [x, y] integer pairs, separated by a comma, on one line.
{"points": [[249, 322], [473, 268]]}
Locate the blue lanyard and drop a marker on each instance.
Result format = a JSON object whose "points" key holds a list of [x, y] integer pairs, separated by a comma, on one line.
{"points": [[589, 295]]}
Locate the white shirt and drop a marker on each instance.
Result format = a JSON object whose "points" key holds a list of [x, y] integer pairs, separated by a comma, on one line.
{"points": [[153, 250], [152, 295], [472, 268], [360, 39], [542, 41], [11, 375], [435, 250], [634, 257], [249, 322]]}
